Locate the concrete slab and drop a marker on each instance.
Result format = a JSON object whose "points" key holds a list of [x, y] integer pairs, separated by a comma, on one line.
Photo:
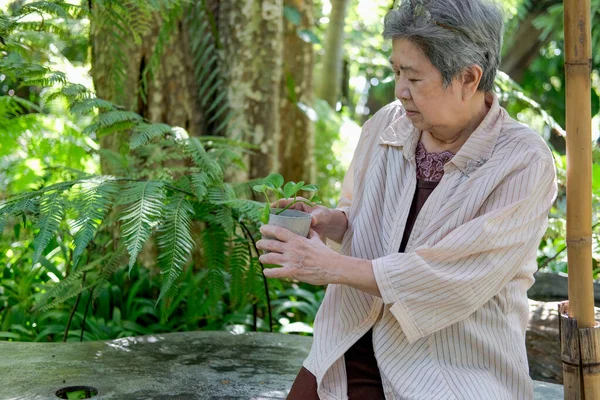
{"points": [[186, 365]]}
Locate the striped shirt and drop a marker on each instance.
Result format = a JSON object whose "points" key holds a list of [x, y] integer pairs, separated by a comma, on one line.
{"points": [[453, 313]]}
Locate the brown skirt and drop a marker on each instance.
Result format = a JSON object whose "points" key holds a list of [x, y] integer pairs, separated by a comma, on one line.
{"points": [[364, 380]]}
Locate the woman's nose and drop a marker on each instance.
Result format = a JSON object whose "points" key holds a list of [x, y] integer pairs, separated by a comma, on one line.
{"points": [[402, 91]]}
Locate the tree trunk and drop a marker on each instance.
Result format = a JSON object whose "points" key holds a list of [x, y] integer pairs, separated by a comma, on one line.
{"points": [[524, 45], [296, 156], [329, 80], [171, 95], [251, 33]]}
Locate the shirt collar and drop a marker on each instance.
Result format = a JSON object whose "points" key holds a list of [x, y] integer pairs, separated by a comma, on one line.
{"points": [[476, 151]]}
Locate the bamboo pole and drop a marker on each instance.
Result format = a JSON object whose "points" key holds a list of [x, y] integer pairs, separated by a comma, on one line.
{"points": [[580, 335], [578, 51]]}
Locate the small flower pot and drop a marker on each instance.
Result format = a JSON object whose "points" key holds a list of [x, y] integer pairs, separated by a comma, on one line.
{"points": [[293, 220]]}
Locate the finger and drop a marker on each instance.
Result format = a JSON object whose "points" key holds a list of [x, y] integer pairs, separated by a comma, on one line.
{"points": [[313, 234], [272, 258], [278, 273], [270, 245], [281, 203], [284, 202], [277, 232]]}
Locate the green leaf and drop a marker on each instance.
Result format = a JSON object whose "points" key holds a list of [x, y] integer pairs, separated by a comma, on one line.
{"points": [[274, 179], [144, 133], [310, 188], [308, 36], [259, 188], [145, 201], [316, 199], [291, 188], [174, 241], [97, 200], [292, 14], [52, 211], [265, 215]]}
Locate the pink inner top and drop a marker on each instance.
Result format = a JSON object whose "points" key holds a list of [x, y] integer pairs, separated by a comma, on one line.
{"points": [[430, 166]]}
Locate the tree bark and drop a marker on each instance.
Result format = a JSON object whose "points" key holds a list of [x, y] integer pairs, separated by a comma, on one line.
{"points": [[251, 33], [296, 155], [329, 81], [171, 95]]}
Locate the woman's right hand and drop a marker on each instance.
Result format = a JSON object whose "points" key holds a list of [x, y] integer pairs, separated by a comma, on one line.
{"points": [[322, 217]]}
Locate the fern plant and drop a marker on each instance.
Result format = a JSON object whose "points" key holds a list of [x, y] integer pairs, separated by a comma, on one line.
{"points": [[170, 191]]}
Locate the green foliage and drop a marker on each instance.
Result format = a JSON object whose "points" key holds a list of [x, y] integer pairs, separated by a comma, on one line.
{"points": [[73, 229], [175, 240], [145, 201], [274, 183]]}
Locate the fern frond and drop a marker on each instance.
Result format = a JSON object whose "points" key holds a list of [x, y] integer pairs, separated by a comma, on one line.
{"points": [[200, 184], [113, 121], [239, 261], [58, 8], [72, 92], [24, 206], [246, 210], [12, 106], [67, 288], [204, 161], [88, 105], [44, 81], [174, 241], [255, 282], [52, 212], [97, 200], [224, 217], [119, 163], [214, 244], [115, 262], [207, 72], [145, 201], [144, 133], [5, 211]]}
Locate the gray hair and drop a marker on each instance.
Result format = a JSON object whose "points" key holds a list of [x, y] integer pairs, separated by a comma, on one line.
{"points": [[454, 34]]}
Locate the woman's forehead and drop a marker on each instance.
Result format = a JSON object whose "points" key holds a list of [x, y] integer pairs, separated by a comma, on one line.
{"points": [[406, 56]]}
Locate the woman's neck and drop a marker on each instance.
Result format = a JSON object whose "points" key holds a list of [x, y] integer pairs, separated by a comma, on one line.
{"points": [[438, 140]]}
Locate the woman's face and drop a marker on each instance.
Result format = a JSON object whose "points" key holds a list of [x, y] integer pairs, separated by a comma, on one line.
{"points": [[419, 86]]}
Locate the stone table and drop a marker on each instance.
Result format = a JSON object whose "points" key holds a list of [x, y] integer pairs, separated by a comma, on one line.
{"points": [[185, 365]]}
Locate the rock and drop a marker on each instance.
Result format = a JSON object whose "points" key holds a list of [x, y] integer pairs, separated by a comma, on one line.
{"points": [[183, 365], [554, 287]]}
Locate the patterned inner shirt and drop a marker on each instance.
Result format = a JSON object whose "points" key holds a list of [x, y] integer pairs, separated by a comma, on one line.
{"points": [[430, 166]]}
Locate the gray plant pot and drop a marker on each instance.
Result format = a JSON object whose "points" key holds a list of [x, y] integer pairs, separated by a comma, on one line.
{"points": [[293, 220]]}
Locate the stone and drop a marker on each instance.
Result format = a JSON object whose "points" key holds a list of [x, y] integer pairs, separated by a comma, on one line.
{"points": [[554, 287], [183, 365]]}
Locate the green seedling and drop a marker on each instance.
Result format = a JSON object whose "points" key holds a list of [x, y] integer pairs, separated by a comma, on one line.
{"points": [[274, 189]]}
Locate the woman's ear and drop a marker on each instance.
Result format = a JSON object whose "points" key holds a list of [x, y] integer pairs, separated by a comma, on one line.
{"points": [[471, 77]]}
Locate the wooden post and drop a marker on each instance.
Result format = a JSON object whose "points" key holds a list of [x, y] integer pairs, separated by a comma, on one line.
{"points": [[580, 337]]}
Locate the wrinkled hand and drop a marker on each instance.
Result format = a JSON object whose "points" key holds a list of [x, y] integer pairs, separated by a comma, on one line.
{"points": [[321, 215], [305, 259]]}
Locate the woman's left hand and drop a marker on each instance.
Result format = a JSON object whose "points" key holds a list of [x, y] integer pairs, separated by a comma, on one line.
{"points": [[305, 259]]}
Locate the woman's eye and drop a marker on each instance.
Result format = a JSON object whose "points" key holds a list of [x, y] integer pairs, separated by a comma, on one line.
{"points": [[414, 80]]}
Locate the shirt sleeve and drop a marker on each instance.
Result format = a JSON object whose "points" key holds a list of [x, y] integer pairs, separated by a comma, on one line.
{"points": [[432, 288]]}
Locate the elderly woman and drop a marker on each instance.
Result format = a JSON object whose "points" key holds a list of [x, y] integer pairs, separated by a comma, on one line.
{"points": [[442, 210]]}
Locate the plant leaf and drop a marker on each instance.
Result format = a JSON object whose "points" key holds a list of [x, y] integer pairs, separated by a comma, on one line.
{"points": [[274, 179], [145, 201]]}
